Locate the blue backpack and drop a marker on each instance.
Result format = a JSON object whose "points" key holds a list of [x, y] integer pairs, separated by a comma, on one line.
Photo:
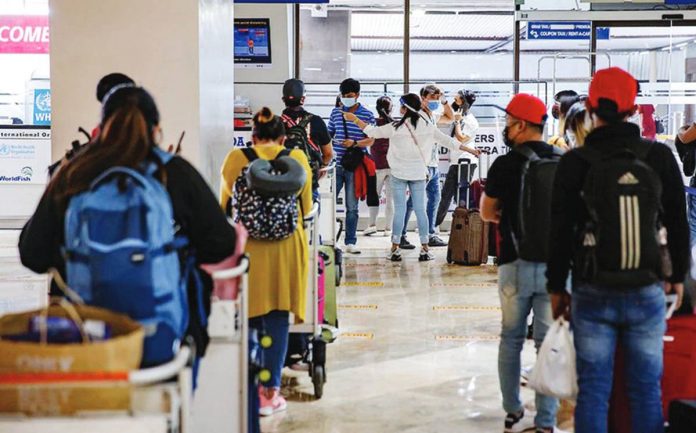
{"points": [[122, 253]]}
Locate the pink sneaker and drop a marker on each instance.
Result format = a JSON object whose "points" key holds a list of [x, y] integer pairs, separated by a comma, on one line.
{"points": [[271, 401]]}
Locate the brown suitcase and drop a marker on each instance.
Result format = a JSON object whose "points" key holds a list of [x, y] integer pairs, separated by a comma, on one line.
{"points": [[468, 242]]}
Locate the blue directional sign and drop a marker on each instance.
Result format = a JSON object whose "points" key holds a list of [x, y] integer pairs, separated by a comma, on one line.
{"points": [[563, 30]]}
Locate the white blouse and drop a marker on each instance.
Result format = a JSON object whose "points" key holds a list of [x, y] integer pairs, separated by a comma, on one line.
{"points": [[408, 158]]}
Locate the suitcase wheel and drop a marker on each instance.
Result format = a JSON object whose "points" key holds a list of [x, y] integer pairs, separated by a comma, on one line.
{"points": [[449, 256]]}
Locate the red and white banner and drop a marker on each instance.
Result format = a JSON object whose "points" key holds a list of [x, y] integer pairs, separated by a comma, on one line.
{"points": [[24, 34]]}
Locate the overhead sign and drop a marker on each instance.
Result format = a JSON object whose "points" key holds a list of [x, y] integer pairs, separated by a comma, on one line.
{"points": [[24, 34], [25, 154], [564, 30]]}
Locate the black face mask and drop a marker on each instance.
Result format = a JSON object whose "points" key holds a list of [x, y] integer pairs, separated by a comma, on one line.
{"points": [[506, 138]]}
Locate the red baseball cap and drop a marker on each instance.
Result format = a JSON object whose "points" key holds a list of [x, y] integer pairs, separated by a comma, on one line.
{"points": [[527, 107], [616, 85]]}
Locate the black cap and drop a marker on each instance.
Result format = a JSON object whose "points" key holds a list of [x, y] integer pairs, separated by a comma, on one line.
{"points": [[293, 89]]}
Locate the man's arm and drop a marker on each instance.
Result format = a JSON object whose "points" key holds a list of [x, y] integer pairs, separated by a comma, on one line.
{"points": [[490, 209], [687, 134]]}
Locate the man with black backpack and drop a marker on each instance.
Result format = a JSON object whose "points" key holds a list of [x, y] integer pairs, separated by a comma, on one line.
{"points": [[304, 130], [619, 219], [517, 196]]}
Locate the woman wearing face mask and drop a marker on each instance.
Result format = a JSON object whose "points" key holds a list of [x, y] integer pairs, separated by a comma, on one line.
{"points": [[577, 125], [379, 154], [411, 142]]}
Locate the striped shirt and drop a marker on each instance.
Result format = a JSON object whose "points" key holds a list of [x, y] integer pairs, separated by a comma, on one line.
{"points": [[338, 131]]}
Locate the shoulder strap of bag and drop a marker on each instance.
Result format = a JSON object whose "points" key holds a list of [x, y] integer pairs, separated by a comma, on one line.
{"points": [[288, 120], [306, 121], [345, 127], [284, 152], [250, 154], [527, 152], [415, 142]]}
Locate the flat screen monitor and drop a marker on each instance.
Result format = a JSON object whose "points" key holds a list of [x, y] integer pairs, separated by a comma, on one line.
{"points": [[252, 42]]}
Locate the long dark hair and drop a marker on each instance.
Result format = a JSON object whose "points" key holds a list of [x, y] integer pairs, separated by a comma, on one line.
{"points": [[129, 119], [384, 108], [412, 102]]}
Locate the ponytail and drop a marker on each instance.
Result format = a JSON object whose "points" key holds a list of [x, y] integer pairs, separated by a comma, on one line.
{"points": [[412, 102], [126, 140]]}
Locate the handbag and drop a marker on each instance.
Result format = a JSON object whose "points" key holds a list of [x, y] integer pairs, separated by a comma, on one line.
{"points": [[353, 156]]}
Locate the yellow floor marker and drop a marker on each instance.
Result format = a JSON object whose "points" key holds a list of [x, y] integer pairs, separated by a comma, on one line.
{"points": [[364, 284], [358, 335], [358, 307], [470, 338], [465, 308]]}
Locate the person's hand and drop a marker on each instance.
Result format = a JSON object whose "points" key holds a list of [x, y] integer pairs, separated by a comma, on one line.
{"points": [[458, 117], [560, 305], [348, 143], [350, 117], [677, 289], [475, 152]]}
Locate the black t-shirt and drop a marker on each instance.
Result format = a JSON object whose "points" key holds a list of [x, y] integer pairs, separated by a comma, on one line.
{"points": [[503, 183], [318, 132]]}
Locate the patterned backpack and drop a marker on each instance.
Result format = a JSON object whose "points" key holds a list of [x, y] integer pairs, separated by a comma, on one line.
{"points": [[265, 217]]}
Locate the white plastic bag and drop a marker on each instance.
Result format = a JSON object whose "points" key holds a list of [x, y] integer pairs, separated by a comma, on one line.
{"points": [[554, 373]]}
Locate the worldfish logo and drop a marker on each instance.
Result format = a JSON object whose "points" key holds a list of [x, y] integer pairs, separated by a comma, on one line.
{"points": [[15, 179]]}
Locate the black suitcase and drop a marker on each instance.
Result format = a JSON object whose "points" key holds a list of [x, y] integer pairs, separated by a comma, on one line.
{"points": [[682, 416]]}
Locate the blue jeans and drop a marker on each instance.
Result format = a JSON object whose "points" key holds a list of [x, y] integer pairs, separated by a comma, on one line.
{"points": [[417, 188], [351, 203], [276, 325], [433, 191], [522, 289], [636, 318]]}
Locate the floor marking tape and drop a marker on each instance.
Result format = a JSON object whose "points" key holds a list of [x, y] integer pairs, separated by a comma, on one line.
{"points": [[467, 338], [464, 285], [363, 284], [358, 307], [362, 335], [465, 308]]}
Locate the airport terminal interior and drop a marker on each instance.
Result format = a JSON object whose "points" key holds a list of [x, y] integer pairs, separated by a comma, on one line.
{"points": [[219, 240]]}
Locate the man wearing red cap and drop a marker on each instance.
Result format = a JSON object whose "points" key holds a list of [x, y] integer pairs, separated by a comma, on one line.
{"points": [[618, 215], [521, 279]]}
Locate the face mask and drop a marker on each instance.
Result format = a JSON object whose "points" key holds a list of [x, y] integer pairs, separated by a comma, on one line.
{"points": [[349, 102], [506, 138], [433, 105]]}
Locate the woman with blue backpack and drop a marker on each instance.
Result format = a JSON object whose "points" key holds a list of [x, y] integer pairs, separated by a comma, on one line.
{"points": [[268, 189], [128, 224]]}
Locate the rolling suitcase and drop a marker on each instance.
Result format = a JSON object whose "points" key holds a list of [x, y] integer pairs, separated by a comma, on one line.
{"points": [[682, 416], [679, 379], [468, 242], [328, 255]]}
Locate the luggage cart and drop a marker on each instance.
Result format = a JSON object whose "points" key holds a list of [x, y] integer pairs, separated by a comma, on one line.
{"points": [[315, 353], [161, 397]]}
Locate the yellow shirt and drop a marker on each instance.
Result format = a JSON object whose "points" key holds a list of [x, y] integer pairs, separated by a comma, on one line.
{"points": [[278, 272]]}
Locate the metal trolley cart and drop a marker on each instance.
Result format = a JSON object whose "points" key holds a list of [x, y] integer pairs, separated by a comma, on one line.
{"points": [[162, 397], [315, 353]]}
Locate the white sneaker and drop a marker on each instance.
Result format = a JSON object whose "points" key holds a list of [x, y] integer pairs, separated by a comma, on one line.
{"points": [[352, 249], [371, 230], [518, 423], [395, 256], [526, 372], [553, 430]]}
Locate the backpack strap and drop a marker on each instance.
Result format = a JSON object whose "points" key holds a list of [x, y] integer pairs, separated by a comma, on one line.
{"points": [[288, 120], [250, 154], [527, 152], [284, 152]]}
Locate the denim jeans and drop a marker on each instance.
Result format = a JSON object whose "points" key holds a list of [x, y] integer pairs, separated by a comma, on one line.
{"points": [[276, 325], [345, 178], [601, 317], [433, 190], [522, 289], [417, 188]]}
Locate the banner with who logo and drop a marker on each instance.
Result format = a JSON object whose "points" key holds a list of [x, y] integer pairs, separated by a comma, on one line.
{"points": [[25, 154]]}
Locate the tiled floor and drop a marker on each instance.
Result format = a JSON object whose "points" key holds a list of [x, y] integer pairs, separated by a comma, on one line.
{"points": [[418, 354]]}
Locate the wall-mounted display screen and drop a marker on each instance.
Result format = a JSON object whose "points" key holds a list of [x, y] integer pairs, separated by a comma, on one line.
{"points": [[252, 42]]}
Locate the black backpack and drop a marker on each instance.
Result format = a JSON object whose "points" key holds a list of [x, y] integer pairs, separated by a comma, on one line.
{"points": [[534, 213], [623, 244], [298, 136]]}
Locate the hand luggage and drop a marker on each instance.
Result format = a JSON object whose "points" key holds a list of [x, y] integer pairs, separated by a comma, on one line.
{"points": [[321, 288], [328, 255], [679, 379], [468, 243], [682, 416]]}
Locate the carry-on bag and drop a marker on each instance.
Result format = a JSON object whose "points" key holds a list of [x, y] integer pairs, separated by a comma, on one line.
{"points": [[328, 256], [468, 242], [29, 369]]}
